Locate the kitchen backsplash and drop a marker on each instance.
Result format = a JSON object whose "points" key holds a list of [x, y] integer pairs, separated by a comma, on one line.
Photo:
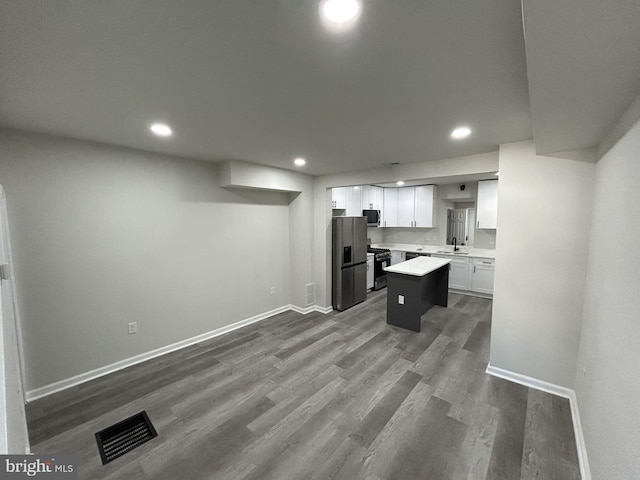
{"points": [[483, 238]]}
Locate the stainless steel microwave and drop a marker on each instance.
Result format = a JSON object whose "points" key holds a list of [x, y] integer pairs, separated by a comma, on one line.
{"points": [[373, 217]]}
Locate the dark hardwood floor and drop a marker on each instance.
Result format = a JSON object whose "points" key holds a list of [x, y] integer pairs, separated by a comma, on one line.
{"points": [[338, 396]]}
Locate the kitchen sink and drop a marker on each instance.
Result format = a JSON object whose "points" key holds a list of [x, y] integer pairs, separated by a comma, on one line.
{"points": [[453, 253]]}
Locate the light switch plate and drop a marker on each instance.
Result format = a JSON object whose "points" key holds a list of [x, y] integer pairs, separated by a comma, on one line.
{"points": [[401, 299], [133, 328]]}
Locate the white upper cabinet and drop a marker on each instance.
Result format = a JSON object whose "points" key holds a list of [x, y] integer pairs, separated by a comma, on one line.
{"points": [[406, 206], [425, 210], [487, 205], [410, 206], [372, 197], [348, 199], [354, 201], [390, 208], [339, 197]]}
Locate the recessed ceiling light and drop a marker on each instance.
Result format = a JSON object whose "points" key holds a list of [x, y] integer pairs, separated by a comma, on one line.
{"points": [[161, 129], [461, 132], [340, 11], [400, 183], [299, 162]]}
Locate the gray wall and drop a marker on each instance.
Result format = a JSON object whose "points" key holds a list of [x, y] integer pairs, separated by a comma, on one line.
{"points": [[607, 384], [14, 437], [544, 213], [103, 236]]}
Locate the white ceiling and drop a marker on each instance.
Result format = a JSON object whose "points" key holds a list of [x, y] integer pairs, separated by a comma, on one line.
{"points": [[583, 58], [264, 81]]}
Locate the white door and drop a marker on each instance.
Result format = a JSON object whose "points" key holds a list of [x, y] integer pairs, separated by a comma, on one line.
{"points": [[406, 206], [12, 414], [471, 226]]}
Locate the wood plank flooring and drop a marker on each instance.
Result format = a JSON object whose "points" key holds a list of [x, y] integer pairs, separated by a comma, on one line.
{"points": [[338, 396]]}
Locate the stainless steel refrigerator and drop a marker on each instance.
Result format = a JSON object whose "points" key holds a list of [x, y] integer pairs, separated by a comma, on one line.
{"points": [[349, 260]]}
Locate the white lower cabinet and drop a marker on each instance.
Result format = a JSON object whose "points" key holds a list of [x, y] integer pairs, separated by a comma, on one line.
{"points": [[458, 271], [397, 257], [459, 274], [370, 276], [482, 275]]}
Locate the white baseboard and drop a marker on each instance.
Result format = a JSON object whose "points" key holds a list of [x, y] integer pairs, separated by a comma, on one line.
{"points": [[58, 386], [312, 308], [554, 389]]}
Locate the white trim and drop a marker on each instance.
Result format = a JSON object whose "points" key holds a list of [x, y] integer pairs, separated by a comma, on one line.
{"points": [[312, 308], [143, 357], [585, 471]]}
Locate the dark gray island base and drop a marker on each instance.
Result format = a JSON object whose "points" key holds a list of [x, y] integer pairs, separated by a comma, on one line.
{"points": [[417, 292]]}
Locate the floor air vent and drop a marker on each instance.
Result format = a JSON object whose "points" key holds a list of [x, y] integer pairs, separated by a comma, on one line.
{"points": [[115, 441]]}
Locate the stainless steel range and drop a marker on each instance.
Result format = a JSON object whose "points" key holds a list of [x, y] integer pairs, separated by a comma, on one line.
{"points": [[381, 260]]}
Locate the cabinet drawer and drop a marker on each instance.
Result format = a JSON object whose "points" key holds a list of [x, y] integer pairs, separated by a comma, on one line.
{"points": [[484, 261]]}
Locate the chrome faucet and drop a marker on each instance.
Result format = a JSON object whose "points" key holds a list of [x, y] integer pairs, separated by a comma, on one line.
{"points": [[455, 244]]}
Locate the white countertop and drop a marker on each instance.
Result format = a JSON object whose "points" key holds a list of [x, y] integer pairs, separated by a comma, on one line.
{"points": [[438, 249], [418, 266]]}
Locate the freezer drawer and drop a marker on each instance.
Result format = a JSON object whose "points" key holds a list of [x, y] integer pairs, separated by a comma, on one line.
{"points": [[350, 288]]}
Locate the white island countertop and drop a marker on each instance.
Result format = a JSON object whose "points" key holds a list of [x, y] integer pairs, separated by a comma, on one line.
{"points": [[418, 266]]}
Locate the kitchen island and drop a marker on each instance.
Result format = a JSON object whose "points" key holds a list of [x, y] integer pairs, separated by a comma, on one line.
{"points": [[413, 287]]}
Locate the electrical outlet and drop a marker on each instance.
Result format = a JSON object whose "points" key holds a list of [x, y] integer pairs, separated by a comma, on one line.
{"points": [[401, 299], [272, 290], [427, 237], [492, 240], [133, 328], [584, 371]]}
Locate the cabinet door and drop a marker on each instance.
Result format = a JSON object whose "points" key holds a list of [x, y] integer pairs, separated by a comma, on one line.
{"points": [[370, 278], [406, 206], [459, 274], [425, 209], [397, 257], [487, 205], [354, 202], [371, 197], [339, 197], [390, 207], [482, 276], [458, 271], [367, 204]]}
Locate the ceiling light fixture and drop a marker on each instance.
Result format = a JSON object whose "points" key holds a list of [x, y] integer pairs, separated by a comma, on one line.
{"points": [[299, 162], [161, 129], [400, 183], [340, 11], [461, 132]]}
